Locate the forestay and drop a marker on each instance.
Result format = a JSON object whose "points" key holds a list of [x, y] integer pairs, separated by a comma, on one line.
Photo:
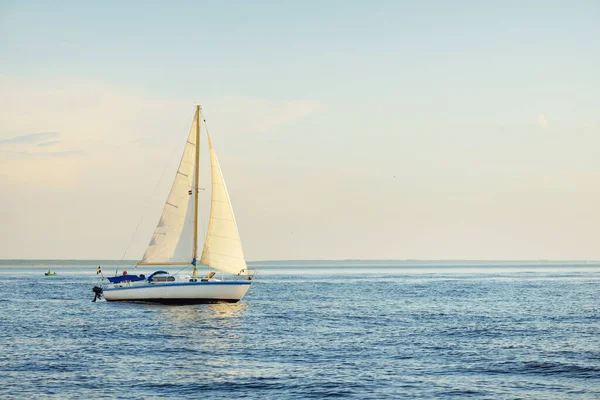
{"points": [[222, 247]]}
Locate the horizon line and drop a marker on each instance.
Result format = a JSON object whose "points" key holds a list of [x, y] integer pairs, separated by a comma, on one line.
{"points": [[329, 259]]}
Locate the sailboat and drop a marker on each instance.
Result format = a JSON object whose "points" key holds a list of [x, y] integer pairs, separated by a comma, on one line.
{"points": [[174, 243]]}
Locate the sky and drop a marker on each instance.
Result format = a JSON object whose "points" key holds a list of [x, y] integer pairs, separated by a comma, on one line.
{"points": [[345, 129]]}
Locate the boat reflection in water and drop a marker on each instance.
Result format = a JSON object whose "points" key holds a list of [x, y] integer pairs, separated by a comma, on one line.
{"points": [[217, 315]]}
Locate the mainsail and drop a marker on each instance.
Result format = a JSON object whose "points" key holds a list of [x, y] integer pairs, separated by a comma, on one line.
{"points": [[171, 243], [222, 247]]}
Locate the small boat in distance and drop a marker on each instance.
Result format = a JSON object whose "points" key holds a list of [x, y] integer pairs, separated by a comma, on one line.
{"points": [[50, 273], [175, 243]]}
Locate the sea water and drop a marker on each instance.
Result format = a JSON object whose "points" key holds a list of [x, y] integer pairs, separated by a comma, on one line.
{"points": [[346, 329]]}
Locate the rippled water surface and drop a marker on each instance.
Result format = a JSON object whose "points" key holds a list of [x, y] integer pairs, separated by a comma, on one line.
{"points": [[310, 330]]}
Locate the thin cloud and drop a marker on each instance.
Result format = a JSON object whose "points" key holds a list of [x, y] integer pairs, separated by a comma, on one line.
{"points": [[258, 114], [147, 140], [45, 154], [32, 138], [50, 143], [542, 121]]}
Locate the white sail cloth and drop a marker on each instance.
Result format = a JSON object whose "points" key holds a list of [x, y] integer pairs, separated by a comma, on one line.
{"points": [[222, 247], [171, 243]]}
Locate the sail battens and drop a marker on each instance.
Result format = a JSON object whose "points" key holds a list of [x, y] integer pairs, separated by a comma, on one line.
{"points": [[174, 240], [171, 241]]}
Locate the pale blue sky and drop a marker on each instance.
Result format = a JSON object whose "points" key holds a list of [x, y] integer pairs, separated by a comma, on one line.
{"points": [[345, 129]]}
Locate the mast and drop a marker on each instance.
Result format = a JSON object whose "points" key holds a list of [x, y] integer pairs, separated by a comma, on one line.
{"points": [[196, 190]]}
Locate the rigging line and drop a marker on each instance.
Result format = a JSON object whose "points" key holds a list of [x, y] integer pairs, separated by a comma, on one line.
{"points": [[188, 266], [205, 123], [204, 200], [148, 202], [184, 268]]}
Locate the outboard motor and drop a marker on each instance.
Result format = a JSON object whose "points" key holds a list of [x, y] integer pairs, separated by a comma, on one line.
{"points": [[97, 293]]}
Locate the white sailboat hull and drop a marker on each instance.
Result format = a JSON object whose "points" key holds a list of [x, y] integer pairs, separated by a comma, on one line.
{"points": [[180, 293], [175, 241]]}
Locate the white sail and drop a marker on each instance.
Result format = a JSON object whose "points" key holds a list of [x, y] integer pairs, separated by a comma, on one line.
{"points": [[185, 246], [171, 243], [222, 247]]}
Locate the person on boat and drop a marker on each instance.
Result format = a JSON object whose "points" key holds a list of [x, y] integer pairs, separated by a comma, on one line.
{"points": [[49, 272]]}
